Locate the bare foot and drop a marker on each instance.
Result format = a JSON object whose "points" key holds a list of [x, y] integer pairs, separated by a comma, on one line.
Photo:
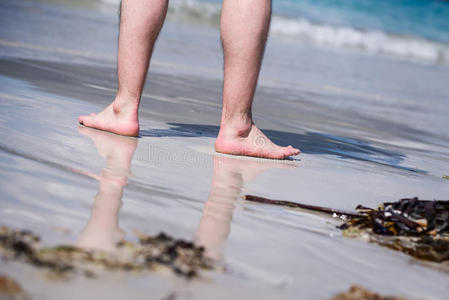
{"points": [[119, 118], [250, 142]]}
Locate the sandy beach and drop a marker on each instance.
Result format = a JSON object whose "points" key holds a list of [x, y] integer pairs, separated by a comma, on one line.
{"points": [[371, 129]]}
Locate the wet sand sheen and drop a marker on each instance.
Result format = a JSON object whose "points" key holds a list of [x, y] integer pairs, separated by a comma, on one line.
{"points": [[175, 183], [371, 130]]}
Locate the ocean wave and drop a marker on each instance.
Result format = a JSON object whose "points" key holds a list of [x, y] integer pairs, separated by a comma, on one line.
{"points": [[376, 42], [369, 41]]}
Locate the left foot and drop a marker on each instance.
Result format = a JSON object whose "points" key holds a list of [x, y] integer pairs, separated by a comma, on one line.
{"points": [[250, 141], [118, 117]]}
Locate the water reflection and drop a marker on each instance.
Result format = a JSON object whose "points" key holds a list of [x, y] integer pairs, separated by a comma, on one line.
{"points": [[103, 231], [230, 175]]}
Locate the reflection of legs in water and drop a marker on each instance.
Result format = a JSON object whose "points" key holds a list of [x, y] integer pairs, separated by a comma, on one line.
{"points": [[230, 175], [103, 231]]}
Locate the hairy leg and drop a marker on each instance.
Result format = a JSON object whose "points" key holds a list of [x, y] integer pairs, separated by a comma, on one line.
{"points": [[140, 24], [244, 30]]}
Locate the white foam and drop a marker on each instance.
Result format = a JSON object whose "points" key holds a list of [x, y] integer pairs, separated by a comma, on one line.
{"points": [[369, 41]]}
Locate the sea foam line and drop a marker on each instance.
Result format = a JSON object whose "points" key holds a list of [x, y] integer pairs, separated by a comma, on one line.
{"points": [[369, 41]]}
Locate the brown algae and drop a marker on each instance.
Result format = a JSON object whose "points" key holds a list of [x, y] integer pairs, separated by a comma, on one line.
{"points": [[182, 257], [419, 228]]}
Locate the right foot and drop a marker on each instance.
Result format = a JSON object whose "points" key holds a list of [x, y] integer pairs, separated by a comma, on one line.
{"points": [[250, 141], [119, 118]]}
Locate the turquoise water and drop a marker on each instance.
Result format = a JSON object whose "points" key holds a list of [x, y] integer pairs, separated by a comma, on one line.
{"points": [[427, 19]]}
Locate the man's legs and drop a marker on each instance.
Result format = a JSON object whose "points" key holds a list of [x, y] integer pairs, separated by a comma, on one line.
{"points": [[244, 29], [140, 23]]}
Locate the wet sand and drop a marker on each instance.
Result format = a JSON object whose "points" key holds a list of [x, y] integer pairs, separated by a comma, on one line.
{"points": [[52, 171], [76, 185]]}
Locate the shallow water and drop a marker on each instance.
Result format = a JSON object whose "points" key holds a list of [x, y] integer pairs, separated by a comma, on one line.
{"points": [[372, 129]]}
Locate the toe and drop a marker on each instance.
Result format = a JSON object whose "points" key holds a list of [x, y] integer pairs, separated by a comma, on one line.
{"points": [[86, 120], [290, 151]]}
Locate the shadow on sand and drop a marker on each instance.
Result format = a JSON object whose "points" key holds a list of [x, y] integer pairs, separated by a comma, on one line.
{"points": [[309, 143]]}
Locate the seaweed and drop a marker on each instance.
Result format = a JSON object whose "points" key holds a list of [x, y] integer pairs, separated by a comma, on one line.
{"points": [[359, 293], [419, 228], [406, 217], [182, 257]]}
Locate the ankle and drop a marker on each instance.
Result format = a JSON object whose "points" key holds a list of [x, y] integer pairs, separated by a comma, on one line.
{"points": [[236, 127], [121, 104], [124, 95]]}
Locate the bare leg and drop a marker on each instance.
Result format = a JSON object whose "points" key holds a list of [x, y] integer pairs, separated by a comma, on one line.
{"points": [[140, 24], [244, 29]]}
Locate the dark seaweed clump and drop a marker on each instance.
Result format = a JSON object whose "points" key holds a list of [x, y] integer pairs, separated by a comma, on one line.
{"points": [[417, 227], [182, 257]]}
